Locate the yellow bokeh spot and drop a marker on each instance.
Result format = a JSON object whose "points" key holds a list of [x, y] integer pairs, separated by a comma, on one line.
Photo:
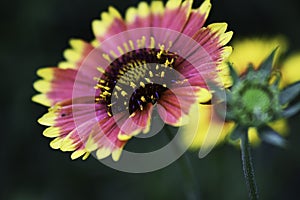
{"points": [[206, 129], [290, 70], [280, 126], [255, 51]]}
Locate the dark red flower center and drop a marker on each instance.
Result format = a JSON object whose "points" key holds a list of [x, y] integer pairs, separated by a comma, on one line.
{"points": [[135, 79]]}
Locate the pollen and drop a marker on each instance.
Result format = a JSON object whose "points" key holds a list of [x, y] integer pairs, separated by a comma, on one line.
{"points": [[135, 78], [167, 63], [148, 80], [151, 74], [162, 48], [106, 93], [123, 93], [142, 84], [118, 88], [143, 99], [133, 85]]}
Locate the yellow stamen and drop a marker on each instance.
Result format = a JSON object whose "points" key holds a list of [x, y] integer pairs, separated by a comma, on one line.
{"points": [[132, 85], [100, 69], [123, 93]]}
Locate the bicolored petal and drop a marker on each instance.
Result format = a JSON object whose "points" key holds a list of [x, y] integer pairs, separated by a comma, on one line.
{"points": [[208, 57], [76, 54], [141, 16], [197, 18], [111, 23], [56, 85], [174, 105], [157, 11], [176, 14], [73, 129], [139, 121], [213, 38]]}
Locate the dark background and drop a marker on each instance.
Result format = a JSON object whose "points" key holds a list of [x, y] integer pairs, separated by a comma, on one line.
{"points": [[34, 34]]}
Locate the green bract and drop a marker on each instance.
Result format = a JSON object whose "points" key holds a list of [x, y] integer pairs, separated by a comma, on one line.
{"points": [[255, 100]]}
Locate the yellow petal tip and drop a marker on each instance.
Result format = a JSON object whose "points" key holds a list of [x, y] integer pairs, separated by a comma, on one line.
{"points": [[48, 119], [52, 132], [124, 137], [103, 152], [42, 99]]}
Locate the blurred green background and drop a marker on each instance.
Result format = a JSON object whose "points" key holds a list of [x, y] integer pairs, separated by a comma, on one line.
{"points": [[35, 33]]}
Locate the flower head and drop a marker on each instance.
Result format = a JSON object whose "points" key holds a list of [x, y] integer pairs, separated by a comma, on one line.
{"points": [[106, 90], [254, 101]]}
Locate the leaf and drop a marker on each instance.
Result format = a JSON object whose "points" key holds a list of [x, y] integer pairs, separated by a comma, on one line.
{"points": [[289, 93], [266, 67], [233, 74], [291, 110], [270, 136]]}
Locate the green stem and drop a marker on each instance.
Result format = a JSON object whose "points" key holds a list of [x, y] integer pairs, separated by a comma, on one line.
{"points": [[248, 167], [190, 183]]}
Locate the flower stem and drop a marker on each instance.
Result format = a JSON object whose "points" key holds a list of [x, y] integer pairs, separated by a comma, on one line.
{"points": [[190, 183], [248, 167]]}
